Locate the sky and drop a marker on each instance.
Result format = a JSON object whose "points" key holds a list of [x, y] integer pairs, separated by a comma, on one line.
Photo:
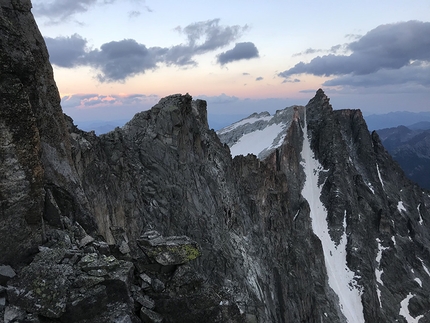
{"points": [[113, 58]]}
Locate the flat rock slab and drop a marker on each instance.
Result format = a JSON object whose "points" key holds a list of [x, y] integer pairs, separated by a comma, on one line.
{"points": [[174, 250]]}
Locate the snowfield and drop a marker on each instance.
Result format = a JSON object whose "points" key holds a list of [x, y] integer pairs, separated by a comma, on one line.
{"points": [[244, 122], [257, 141]]}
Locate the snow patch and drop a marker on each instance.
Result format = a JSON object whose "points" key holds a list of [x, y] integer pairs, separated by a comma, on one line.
{"points": [[340, 278], [379, 175], [378, 270], [424, 266], [404, 310], [401, 206], [419, 281], [419, 213], [257, 141], [295, 216]]}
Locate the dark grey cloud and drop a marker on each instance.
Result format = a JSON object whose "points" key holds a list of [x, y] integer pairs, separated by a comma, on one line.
{"points": [[119, 60], [387, 47], [116, 60], [208, 35], [202, 37], [240, 51], [336, 48], [61, 9], [58, 11], [66, 51], [411, 74], [260, 78]]}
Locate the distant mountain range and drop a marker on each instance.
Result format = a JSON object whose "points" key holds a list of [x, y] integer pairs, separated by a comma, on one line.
{"points": [[398, 118], [410, 147], [100, 127], [216, 121]]}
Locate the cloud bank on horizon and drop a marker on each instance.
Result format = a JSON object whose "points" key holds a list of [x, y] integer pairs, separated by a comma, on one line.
{"points": [[390, 54]]}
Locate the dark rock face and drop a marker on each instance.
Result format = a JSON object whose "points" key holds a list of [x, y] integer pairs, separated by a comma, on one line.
{"points": [[34, 143], [155, 222], [384, 212]]}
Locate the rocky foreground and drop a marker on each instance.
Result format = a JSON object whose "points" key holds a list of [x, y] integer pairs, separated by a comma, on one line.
{"points": [[156, 222]]}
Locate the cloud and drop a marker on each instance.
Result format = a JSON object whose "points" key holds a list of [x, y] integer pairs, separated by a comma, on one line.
{"points": [[291, 80], [412, 74], [240, 51], [393, 50], [202, 37], [66, 51], [96, 107], [309, 51], [353, 36], [260, 78], [333, 50], [62, 9], [92, 101], [220, 99], [118, 60], [58, 11], [134, 14]]}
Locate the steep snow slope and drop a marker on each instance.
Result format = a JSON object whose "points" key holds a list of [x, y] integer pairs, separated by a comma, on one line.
{"points": [[341, 279]]}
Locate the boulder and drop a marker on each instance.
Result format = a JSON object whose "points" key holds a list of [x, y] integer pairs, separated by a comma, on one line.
{"points": [[6, 273], [174, 250]]}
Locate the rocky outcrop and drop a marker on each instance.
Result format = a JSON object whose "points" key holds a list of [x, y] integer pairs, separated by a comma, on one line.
{"points": [[168, 251], [155, 222]]}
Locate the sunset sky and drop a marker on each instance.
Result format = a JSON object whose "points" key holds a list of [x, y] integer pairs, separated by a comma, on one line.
{"points": [[114, 58]]}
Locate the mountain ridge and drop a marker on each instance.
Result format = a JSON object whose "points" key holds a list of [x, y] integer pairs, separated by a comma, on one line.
{"points": [[394, 119], [156, 222]]}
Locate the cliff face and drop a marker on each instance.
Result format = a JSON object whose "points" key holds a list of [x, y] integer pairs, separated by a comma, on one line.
{"points": [[155, 221], [35, 145]]}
